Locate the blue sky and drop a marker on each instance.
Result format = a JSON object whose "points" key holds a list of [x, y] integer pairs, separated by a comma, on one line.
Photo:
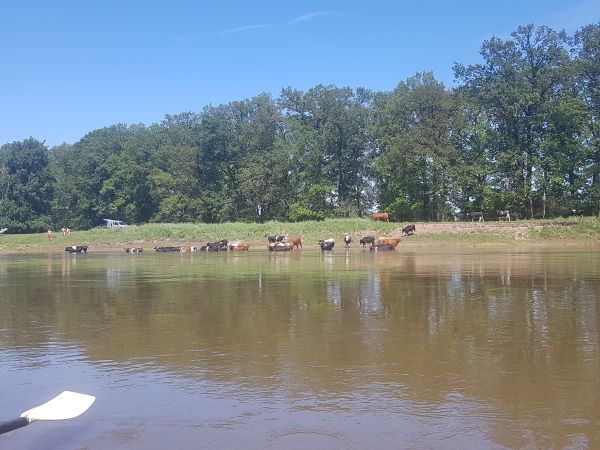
{"points": [[70, 67]]}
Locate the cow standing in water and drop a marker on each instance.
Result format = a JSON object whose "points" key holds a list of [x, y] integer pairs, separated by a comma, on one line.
{"points": [[295, 242], [367, 240], [326, 244], [347, 240]]}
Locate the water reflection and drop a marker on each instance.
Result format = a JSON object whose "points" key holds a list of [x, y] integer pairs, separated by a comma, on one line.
{"points": [[457, 349]]}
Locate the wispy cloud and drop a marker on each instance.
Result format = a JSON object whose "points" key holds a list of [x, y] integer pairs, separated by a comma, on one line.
{"points": [[303, 18], [244, 28], [310, 16]]}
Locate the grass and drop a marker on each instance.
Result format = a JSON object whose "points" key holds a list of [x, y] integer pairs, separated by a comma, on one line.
{"points": [[582, 230]]}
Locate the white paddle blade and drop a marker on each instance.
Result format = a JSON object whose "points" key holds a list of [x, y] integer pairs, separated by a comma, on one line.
{"points": [[64, 406]]}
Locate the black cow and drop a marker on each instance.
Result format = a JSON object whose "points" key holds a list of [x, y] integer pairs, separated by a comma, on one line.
{"points": [[77, 249], [367, 240], [504, 215], [166, 249], [409, 229], [327, 244], [218, 246], [382, 247], [475, 215], [276, 238], [347, 240]]}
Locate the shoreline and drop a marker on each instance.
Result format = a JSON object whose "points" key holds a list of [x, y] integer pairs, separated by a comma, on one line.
{"points": [[560, 234]]}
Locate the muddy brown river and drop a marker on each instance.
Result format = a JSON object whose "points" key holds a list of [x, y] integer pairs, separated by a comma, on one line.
{"points": [[460, 348]]}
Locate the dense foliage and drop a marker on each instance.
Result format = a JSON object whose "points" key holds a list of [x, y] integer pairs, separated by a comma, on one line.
{"points": [[520, 132]]}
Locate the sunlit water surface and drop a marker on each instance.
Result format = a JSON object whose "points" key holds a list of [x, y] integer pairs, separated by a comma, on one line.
{"points": [[463, 349]]}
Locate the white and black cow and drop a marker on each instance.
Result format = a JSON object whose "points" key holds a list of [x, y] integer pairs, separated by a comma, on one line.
{"points": [[77, 249], [327, 244], [504, 215]]}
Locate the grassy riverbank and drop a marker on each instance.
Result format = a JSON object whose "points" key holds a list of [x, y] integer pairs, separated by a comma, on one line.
{"points": [[585, 231]]}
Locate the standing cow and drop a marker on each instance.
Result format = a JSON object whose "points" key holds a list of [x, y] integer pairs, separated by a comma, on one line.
{"points": [[475, 215], [347, 240], [383, 216], [367, 240], [326, 244], [295, 242], [504, 215], [409, 229]]}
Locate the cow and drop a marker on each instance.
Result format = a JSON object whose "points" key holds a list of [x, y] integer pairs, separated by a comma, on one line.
{"points": [[276, 238], [381, 247], [279, 246], [393, 242], [475, 215], [367, 240], [295, 242], [383, 216], [188, 248], [134, 249], [50, 235], [577, 212], [218, 246], [409, 229], [167, 249], [504, 215], [326, 244], [347, 240], [238, 246], [77, 249]]}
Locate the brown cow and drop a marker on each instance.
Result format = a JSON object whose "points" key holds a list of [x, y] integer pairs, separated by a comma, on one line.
{"points": [[238, 246], [392, 242], [295, 242], [187, 248], [381, 216]]}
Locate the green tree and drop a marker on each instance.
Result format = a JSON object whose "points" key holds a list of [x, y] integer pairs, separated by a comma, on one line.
{"points": [[26, 187], [588, 64], [417, 129], [327, 126], [515, 86]]}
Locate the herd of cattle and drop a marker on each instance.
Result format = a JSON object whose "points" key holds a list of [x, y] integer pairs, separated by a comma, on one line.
{"points": [[281, 243], [275, 243]]}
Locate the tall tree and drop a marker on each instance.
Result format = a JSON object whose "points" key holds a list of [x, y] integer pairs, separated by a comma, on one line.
{"points": [[26, 188], [515, 85], [588, 60], [417, 128], [327, 126]]}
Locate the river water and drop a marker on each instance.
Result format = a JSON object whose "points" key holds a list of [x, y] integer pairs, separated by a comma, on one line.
{"points": [[413, 349]]}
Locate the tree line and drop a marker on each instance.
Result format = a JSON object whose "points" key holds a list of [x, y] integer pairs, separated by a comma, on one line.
{"points": [[520, 131]]}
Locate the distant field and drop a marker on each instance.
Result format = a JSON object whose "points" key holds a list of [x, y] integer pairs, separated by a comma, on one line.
{"points": [[575, 230]]}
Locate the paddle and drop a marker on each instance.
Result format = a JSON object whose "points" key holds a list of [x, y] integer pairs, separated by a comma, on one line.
{"points": [[64, 406]]}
